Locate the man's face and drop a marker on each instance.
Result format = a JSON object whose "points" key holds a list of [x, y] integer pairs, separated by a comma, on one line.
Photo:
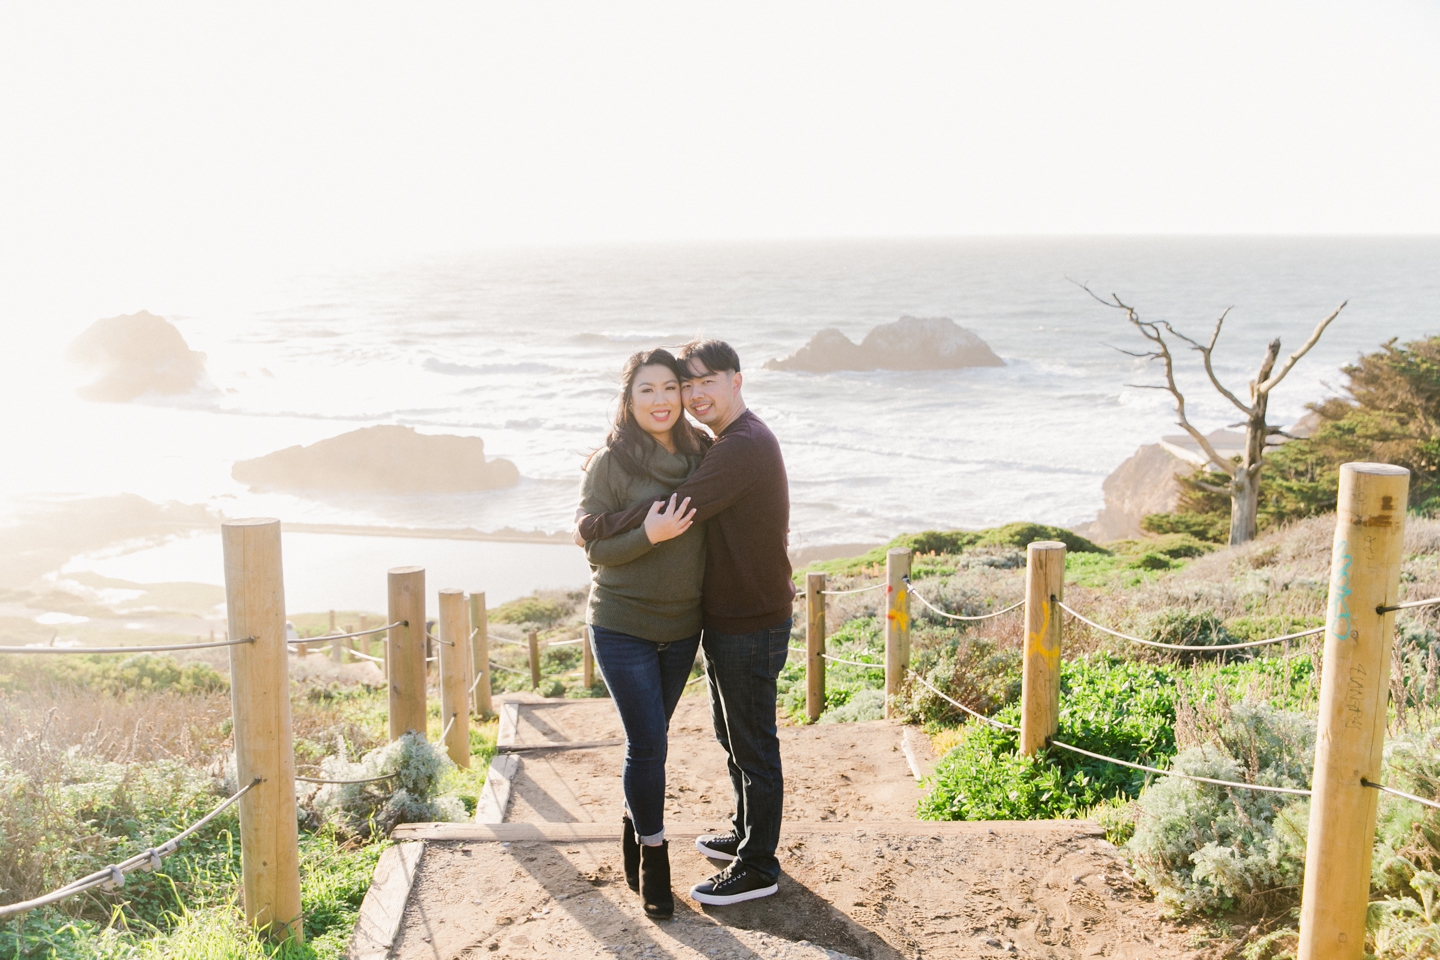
{"points": [[711, 396]]}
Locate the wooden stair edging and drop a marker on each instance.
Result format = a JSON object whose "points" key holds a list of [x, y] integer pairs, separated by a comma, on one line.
{"points": [[383, 909], [495, 795], [496, 832]]}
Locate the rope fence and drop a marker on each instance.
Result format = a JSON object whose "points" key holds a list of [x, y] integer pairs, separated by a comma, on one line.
{"points": [[164, 648], [1408, 605], [357, 633], [1399, 793], [842, 593], [112, 876], [1185, 646], [956, 616]]}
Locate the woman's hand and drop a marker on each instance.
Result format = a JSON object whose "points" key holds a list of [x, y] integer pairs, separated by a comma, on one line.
{"points": [[666, 521]]}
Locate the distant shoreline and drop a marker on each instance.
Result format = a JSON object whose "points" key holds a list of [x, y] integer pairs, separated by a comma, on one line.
{"points": [[428, 533]]}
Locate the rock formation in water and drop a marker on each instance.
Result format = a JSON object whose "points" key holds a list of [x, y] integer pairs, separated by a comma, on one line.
{"points": [[910, 343], [380, 460], [136, 354]]}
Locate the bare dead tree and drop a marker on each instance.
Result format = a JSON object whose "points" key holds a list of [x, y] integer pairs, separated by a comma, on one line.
{"points": [[1244, 485]]}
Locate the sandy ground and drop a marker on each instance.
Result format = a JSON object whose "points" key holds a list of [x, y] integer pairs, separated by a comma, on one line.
{"points": [[862, 877], [853, 771], [1022, 890]]}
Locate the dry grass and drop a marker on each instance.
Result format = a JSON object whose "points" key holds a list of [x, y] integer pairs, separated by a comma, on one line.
{"points": [[191, 728]]}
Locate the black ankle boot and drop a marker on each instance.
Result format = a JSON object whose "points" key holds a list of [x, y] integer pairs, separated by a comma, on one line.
{"points": [[630, 849], [655, 882]]}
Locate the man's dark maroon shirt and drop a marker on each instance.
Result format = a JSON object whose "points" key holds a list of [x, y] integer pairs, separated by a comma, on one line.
{"points": [[741, 493]]}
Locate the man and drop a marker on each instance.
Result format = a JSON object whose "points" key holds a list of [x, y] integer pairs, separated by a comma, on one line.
{"points": [[742, 492]]}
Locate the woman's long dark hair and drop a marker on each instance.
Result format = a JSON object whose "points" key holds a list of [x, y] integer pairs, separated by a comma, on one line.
{"points": [[627, 441]]}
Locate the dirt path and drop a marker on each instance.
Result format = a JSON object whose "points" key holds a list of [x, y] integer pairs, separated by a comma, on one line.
{"points": [[862, 877]]}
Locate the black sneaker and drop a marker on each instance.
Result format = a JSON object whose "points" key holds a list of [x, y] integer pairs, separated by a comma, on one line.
{"points": [[735, 884], [718, 846]]}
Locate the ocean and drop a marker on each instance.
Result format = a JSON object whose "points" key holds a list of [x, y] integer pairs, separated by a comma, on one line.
{"points": [[522, 348]]}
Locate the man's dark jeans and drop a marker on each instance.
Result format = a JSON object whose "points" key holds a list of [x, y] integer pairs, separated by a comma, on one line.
{"points": [[741, 669], [645, 681]]}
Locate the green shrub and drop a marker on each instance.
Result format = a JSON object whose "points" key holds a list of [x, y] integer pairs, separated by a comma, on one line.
{"points": [[863, 705], [1022, 534], [1206, 527], [415, 767], [858, 639], [530, 610], [1119, 708], [105, 674], [1204, 848], [1187, 627]]}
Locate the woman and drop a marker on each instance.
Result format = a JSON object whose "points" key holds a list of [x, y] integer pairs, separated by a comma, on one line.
{"points": [[644, 611]]}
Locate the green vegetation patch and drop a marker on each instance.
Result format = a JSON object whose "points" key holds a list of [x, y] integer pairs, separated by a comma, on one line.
{"points": [[534, 610], [107, 675], [953, 542]]}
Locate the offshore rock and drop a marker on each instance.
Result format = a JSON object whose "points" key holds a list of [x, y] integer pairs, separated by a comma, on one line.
{"points": [[135, 354], [910, 343], [384, 459]]}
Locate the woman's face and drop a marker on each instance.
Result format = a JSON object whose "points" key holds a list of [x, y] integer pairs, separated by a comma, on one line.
{"points": [[655, 399]]}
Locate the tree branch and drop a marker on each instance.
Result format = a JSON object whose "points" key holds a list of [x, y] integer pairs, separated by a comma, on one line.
{"points": [[1271, 382], [1206, 352], [1151, 331]]}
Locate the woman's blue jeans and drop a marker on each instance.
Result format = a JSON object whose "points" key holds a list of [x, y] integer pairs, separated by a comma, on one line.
{"points": [[645, 681]]}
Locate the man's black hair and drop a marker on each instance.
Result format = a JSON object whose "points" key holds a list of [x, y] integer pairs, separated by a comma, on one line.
{"points": [[715, 356]]}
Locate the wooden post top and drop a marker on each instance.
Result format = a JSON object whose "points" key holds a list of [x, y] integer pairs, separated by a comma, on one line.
{"points": [[451, 591], [1376, 469], [249, 522], [1042, 545], [401, 571], [897, 551]]}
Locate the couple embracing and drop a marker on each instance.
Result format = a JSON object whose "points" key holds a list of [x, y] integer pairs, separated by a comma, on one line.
{"points": [[686, 536]]}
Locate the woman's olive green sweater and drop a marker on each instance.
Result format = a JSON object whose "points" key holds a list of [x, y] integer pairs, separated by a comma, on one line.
{"points": [[651, 592]]}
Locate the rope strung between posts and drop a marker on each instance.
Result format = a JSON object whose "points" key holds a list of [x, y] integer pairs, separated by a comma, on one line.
{"points": [[501, 666], [565, 643], [956, 616], [366, 656], [694, 679], [1408, 605], [431, 636], [113, 876], [956, 703], [510, 643], [160, 649], [853, 663], [1398, 793], [478, 677], [388, 776], [431, 659], [357, 633], [797, 650], [444, 733], [1186, 646], [841, 593], [1184, 776]]}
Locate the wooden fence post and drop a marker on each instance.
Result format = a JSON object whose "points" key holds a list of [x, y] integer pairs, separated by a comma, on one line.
{"points": [[814, 645], [454, 652], [1040, 679], [587, 659], [480, 653], [350, 644], [405, 658], [534, 638], [1354, 683], [335, 648], [264, 744], [897, 624]]}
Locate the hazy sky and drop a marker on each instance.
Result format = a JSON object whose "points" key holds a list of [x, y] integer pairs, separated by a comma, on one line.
{"points": [[141, 140]]}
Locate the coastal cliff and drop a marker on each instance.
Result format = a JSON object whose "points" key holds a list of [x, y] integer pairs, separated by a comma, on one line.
{"points": [[135, 354]]}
